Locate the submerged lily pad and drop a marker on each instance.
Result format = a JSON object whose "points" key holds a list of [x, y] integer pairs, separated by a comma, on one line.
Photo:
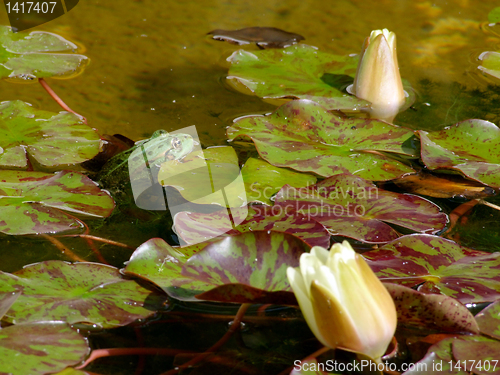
{"points": [[34, 202], [471, 147], [353, 207], [298, 71], [438, 265], [40, 348], [304, 136], [263, 37], [195, 227], [89, 293], [37, 55], [263, 180], [51, 140]]}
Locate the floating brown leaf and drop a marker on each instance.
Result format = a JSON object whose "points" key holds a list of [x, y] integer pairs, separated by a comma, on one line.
{"points": [[264, 37]]}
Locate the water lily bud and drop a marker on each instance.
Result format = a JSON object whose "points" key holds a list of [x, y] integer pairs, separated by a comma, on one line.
{"points": [[343, 301], [377, 78]]}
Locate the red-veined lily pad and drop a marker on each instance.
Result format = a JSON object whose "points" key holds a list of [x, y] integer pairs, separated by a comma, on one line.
{"points": [[440, 266], [460, 356], [433, 311], [34, 202], [298, 71], [198, 227], [37, 54], [210, 176], [250, 267], [489, 320], [258, 259], [304, 136], [263, 180], [90, 293], [471, 147], [40, 348], [51, 140], [158, 262], [353, 207]]}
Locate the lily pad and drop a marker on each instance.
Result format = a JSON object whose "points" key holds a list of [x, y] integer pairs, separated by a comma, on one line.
{"points": [[258, 259], [34, 202], [489, 320], [263, 180], [198, 227], [438, 265], [7, 299], [471, 147], [304, 136], [263, 37], [37, 55], [40, 348], [51, 140], [433, 311], [250, 267], [353, 207], [299, 72], [158, 262], [460, 356], [90, 293], [210, 176], [490, 63]]}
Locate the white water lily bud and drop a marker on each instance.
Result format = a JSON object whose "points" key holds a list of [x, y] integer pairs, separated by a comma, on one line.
{"points": [[343, 301]]}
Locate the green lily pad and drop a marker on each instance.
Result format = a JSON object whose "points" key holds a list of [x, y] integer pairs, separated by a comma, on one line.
{"points": [[256, 259], [193, 227], [471, 147], [299, 71], [433, 311], [494, 15], [202, 176], [460, 356], [489, 320], [304, 136], [353, 207], [90, 293], [33, 202], [37, 55], [40, 348], [263, 180], [51, 140], [158, 262], [490, 63], [438, 265]]}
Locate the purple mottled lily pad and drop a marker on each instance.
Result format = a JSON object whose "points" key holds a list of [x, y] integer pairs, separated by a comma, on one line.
{"points": [[258, 259], [40, 348], [471, 147], [433, 311], [36, 202], [305, 136], [51, 140], [299, 71], [90, 293], [489, 320], [353, 207], [158, 262], [460, 356], [438, 265], [37, 54], [198, 227]]}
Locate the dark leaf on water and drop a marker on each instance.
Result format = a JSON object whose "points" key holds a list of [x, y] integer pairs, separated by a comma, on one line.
{"points": [[264, 37]]}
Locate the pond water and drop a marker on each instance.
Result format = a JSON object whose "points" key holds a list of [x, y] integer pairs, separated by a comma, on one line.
{"points": [[153, 67]]}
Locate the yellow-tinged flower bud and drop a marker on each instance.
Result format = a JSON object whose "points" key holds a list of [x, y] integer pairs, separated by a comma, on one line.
{"points": [[344, 303], [377, 78]]}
